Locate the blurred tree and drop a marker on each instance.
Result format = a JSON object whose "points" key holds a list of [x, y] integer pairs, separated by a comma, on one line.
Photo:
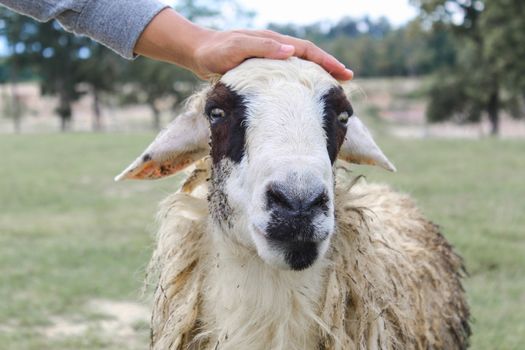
{"points": [[426, 50], [100, 72], [376, 48], [288, 29], [218, 14], [161, 85], [10, 71], [55, 55], [154, 84], [12, 105], [69, 66], [490, 72]]}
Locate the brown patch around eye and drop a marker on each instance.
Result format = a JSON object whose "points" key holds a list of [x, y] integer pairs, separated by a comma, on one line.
{"points": [[227, 133], [335, 102]]}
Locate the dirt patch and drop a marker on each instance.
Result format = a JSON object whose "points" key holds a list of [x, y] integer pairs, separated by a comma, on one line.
{"points": [[509, 128], [7, 328], [40, 117], [125, 316], [63, 328], [121, 322]]}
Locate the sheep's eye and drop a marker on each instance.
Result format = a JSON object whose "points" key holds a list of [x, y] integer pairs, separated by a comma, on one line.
{"points": [[217, 113], [343, 117]]}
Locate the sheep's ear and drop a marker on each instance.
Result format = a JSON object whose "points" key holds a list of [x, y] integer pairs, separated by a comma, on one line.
{"points": [[359, 147], [183, 142]]}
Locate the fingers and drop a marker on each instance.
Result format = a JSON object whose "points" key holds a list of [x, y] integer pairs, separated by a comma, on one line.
{"points": [[308, 51], [223, 51], [336, 68], [248, 46]]}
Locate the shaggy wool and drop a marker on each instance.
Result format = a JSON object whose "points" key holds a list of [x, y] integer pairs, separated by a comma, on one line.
{"points": [[389, 281]]}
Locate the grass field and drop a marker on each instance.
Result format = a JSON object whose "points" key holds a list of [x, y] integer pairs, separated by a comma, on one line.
{"points": [[71, 239]]}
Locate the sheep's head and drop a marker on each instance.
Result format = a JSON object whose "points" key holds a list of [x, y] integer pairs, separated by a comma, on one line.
{"points": [[276, 129]]}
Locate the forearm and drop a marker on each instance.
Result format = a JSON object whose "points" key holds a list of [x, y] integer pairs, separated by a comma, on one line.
{"points": [[114, 23]]}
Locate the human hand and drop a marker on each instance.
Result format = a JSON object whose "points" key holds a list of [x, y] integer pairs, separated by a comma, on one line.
{"points": [[172, 38], [220, 51]]}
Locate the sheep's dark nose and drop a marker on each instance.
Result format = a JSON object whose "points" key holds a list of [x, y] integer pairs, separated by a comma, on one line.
{"points": [[293, 210], [291, 203]]}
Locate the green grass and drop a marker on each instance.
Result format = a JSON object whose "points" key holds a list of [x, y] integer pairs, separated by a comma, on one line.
{"points": [[475, 190], [69, 234]]}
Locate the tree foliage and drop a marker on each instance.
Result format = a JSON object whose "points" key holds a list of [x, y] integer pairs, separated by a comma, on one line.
{"points": [[490, 72], [101, 73], [156, 84], [55, 56], [161, 85], [69, 66], [376, 48], [473, 47]]}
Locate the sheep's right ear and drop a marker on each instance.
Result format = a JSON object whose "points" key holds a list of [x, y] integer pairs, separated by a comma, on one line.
{"points": [[360, 148], [183, 142]]}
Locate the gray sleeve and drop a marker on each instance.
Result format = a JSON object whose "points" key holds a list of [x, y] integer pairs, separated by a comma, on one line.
{"points": [[114, 23]]}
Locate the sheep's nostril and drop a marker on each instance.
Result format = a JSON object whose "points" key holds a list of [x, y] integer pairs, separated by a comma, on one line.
{"points": [[297, 212], [291, 202], [277, 197], [316, 201]]}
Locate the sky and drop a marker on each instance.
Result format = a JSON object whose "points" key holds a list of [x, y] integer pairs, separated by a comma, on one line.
{"points": [[310, 11]]}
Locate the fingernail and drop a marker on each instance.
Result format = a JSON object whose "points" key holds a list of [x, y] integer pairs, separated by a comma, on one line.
{"points": [[286, 49]]}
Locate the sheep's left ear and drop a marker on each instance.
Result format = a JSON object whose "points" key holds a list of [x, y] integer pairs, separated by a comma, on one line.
{"points": [[182, 143], [359, 147]]}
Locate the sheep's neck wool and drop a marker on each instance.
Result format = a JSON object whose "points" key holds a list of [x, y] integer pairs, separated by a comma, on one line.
{"points": [[369, 292]]}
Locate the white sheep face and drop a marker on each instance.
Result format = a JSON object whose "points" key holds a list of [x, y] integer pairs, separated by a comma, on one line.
{"points": [[270, 140], [276, 129]]}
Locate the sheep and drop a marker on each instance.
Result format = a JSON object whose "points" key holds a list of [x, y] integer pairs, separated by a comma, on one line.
{"points": [[268, 246]]}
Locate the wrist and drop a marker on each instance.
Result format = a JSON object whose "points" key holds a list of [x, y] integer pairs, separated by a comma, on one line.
{"points": [[172, 38], [198, 39], [186, 43]]}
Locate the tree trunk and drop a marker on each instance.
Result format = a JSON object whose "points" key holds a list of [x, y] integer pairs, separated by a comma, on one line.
{"points": [[97, 115], [64, 110], [63, 124], [17, 123], [16, 103], [493, 112]]}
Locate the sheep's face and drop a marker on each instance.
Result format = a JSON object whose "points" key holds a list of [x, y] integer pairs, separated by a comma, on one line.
{"points": [[276, 129], [274, 142]]}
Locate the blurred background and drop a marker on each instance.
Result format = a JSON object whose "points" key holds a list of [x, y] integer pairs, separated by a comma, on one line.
{"points": [[441, 83]]}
